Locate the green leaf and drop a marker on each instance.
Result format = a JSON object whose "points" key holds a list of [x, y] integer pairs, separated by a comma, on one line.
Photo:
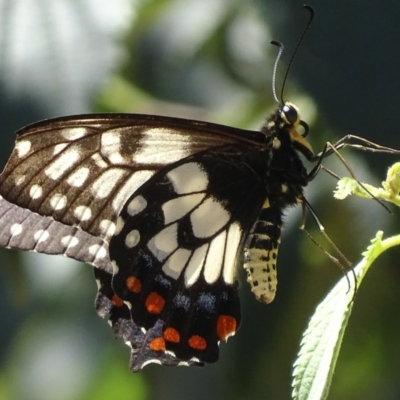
{"points": [[319, 348]]}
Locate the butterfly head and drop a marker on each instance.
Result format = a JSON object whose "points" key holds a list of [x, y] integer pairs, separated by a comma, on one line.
{"points": [[286, 126]]}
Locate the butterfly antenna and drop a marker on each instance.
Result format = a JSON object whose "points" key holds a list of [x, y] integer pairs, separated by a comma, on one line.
{"points": [[311, 11], [278, 57]]}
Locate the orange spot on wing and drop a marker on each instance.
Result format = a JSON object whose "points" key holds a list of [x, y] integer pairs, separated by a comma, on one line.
{"points": [[157, 344], [117, 301], [226, 326], [133, 284], [171, 335], [154, 303], [197, 342]]}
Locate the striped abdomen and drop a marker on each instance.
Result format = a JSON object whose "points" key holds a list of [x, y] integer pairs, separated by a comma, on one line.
{"points": [[262, 251]]}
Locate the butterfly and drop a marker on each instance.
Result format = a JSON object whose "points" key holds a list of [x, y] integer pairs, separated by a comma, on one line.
{"points": [[167, 211]]}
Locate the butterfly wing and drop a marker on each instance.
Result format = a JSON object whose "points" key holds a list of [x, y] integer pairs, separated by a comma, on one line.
{"points": [[80, 171], [177, 245], [26, 230], [124, 328], [63, 190]]}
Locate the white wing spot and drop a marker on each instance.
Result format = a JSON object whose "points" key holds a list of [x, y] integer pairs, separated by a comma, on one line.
{"points": [[195, 266], [98, 160], [106, 182], [119, 226], [173, 145], [35, 192], [69, 241], [180, 206], [60, 165], [107, 227], [232, 247], [58, 148], [165, 242], [188, 178], [98, 251], [111, 146], [41, 235], [23, 147], [20, 180], [148, 362], [132, 238], [78, 177], [73, 133], [136, 205], [215, 258], [83, 213], [176, 263], [16, 229], [209, 218], [130, 186], [58, 201], [115, 268]]}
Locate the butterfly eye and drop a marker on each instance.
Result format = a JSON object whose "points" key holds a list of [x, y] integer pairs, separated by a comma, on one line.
{"points": [[290, 114]]}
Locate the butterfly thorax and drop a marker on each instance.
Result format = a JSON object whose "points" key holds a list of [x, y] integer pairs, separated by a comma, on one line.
{"points": [[286, 175]]}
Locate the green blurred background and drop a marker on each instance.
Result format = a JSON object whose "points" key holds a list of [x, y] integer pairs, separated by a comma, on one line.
{"points": [[208, 60]]}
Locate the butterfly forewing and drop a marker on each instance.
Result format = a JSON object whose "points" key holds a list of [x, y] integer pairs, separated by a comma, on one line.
{"points": [[81, 170]]}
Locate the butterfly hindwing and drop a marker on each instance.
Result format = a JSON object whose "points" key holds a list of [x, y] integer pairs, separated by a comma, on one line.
{"points": [[26, 230], [179, 242], [125, 329]]}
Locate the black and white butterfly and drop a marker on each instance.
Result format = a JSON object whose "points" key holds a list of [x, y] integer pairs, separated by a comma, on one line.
{"points": [[167, 210]]}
